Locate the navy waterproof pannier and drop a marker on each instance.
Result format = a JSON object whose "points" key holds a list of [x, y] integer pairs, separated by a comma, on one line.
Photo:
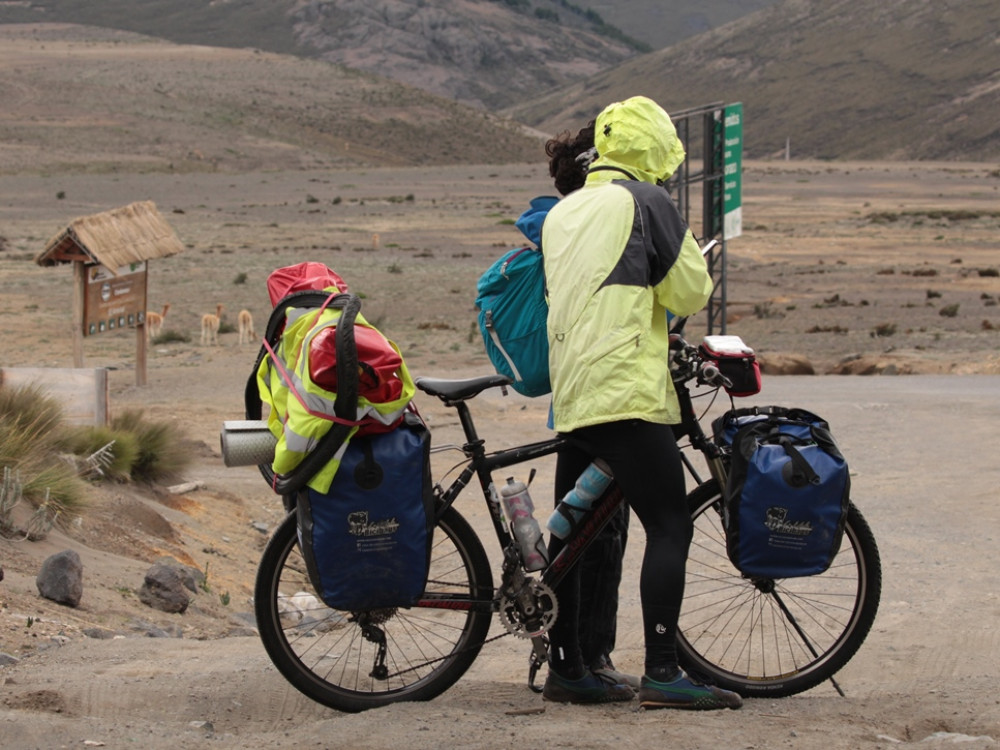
{"points": [[788, 492], [367, 540]]}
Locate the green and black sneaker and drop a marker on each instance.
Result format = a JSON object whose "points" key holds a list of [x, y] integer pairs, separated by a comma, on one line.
{"points": [[588, 689], [683, 692]]}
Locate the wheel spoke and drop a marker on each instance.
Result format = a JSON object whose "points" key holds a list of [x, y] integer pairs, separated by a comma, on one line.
{"points": [[416, 652], [773, 637]]}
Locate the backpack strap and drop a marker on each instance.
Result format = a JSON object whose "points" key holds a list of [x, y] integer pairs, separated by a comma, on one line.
{"points": [[275, 327], [346, 404]]}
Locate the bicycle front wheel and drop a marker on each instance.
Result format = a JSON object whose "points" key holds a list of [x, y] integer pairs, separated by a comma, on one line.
{"points": [[353, 661], [773, 637]]}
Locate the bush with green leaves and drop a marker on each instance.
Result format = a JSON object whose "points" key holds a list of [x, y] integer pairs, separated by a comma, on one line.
{"points": [[106, 452]]}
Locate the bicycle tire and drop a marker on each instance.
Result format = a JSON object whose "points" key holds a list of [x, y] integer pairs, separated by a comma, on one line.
{"points": [[733, 632], [325, 654]]}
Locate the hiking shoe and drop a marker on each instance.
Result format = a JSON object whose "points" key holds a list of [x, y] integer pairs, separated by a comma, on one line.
{"points": [[588, 689], [683, 692], [609, 674]]}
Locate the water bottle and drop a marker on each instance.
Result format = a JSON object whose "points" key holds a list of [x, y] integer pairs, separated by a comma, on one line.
{"points": [[519, 509], [589, 486]]}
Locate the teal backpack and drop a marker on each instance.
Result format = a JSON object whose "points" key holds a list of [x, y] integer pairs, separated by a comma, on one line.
{"points": [[513, 309], [512, 316]]}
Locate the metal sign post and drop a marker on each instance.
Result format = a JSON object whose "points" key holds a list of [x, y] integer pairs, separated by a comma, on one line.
{"points": [[719, 144]]}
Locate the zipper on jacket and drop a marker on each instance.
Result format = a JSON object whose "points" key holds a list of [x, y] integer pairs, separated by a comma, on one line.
{"points": [[634, 339]]}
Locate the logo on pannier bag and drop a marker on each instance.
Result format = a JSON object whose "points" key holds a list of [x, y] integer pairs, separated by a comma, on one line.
{"points": [[359, 525], [775, 521]]}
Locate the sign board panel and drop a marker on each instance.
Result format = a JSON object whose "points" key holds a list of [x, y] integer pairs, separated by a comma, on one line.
{"points": [[114, 301], [732, 197]]}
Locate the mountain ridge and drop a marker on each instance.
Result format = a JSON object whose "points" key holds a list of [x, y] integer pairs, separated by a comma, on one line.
{"points": [[832, 79], [845, 79]]}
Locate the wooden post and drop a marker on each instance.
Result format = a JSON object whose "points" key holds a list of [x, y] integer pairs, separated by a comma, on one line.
{"points": [[140, 334], [79, 290]]}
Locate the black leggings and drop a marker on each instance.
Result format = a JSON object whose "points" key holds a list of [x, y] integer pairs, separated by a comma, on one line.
{"points": [[646, 464]]}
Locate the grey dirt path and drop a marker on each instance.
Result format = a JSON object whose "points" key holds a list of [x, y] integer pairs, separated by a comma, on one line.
{"points": [[922, 451]]}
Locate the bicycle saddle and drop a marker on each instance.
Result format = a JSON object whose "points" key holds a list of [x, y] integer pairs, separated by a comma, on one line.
{"points": [[460, 389]]}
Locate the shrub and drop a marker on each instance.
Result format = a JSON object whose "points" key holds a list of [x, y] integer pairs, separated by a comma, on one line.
{"points": [[29, 420], [30, 425], [948, 311], [765, 310], [826, 329], [105, 452], [171, 336], [162, 454], [57, 488]]}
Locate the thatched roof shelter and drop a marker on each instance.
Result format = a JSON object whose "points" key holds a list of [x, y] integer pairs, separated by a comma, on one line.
{"points": [[116, 238]]}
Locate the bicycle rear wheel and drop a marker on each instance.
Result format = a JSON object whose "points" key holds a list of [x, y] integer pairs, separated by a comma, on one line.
{"points": [[352, 661], [773, 637]]}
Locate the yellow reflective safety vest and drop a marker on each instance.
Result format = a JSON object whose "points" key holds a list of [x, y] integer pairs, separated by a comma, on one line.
{"points": [[302, 412]]}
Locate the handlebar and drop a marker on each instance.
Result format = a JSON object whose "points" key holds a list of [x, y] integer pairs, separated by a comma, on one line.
{"points": [[686, 363]]}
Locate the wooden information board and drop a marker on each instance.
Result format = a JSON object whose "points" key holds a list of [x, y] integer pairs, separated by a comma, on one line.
{"points": [[114, 301]]}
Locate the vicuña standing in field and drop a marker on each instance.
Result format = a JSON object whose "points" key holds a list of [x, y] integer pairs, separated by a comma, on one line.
{"points": [[210, 326], [154, 322], [247, 334]]}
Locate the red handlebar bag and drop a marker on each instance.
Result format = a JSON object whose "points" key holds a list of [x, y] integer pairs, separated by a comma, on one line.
{"points": [[736, 361]]}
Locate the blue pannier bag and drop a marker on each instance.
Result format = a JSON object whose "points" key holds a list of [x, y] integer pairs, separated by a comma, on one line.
{"points": [[367, 541], [787, 494], [512, 319]]}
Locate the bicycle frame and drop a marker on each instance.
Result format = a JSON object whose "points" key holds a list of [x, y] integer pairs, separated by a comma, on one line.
{"points": [[483, 465]]}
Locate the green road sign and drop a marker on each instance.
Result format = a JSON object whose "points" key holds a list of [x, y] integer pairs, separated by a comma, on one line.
{"points": [[732, 161]]}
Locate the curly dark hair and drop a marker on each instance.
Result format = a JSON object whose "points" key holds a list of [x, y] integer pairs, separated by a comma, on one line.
{"points": [[562, 151]]}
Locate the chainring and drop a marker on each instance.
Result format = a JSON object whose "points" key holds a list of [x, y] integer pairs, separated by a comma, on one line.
{"points": [[531, 613]]}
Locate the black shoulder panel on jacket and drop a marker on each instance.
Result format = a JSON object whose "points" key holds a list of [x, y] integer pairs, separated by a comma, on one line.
{"points": [[658, 231]]}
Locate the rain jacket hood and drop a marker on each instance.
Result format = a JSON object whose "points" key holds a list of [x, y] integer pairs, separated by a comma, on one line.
{"points": [[637, 136]]}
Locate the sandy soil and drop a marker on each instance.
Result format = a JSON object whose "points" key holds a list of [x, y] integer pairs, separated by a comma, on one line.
{"points": [[839, 263]]}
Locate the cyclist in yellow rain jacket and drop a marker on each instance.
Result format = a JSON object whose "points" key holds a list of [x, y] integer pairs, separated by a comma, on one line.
{"points": [[618, 254]]}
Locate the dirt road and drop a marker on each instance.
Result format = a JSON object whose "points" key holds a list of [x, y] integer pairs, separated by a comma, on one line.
{"points": [[816, 273], [923, 477]]}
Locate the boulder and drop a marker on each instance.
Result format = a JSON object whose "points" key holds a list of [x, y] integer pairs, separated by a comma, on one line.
{"points": [[164, 589], [61, 578], [781, 363]]}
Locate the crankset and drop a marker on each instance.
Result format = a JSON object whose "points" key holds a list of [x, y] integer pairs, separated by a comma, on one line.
{"points": [[530, 611]]}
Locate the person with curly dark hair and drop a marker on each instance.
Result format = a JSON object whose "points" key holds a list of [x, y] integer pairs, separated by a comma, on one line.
{"points": [[570, 154]]}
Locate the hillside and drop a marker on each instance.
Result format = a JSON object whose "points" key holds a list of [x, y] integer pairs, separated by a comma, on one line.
{"points": [[846, 79], [487, 53], [661, 23], [86, 99], [840, 79]]}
